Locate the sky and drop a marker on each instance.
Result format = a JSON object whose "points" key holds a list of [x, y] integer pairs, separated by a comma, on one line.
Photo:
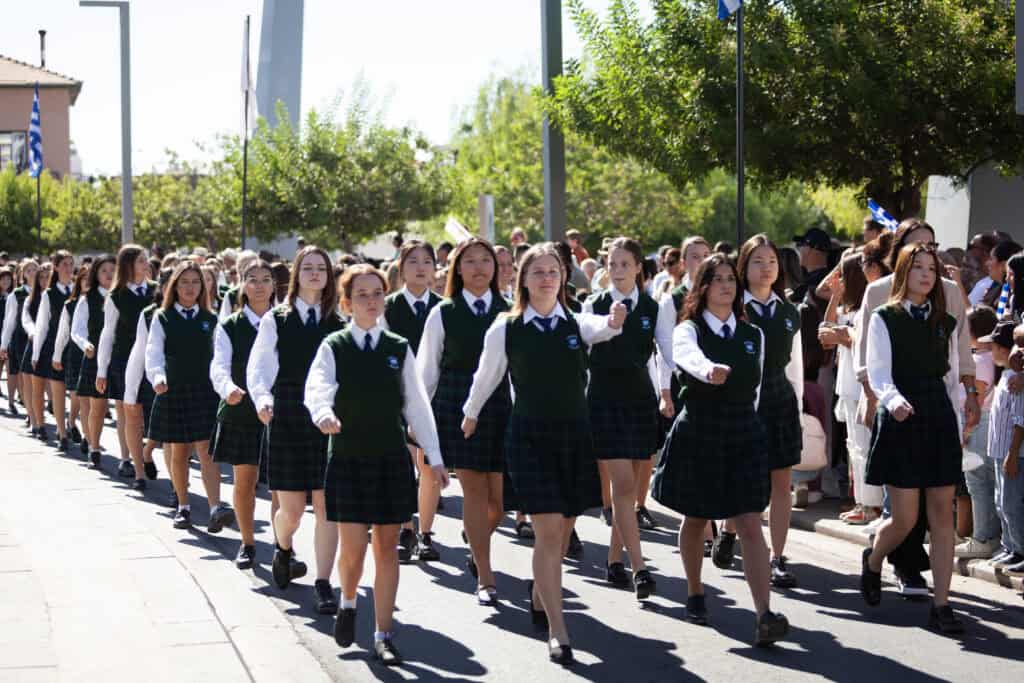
{"points": [[424, 59]]}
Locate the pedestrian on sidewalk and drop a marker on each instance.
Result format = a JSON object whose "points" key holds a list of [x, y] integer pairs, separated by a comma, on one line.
{"points": [[14, 338], [405, 314], [715, 464], [239, 433], [46, 377], [296, 450], [916, 440], [449, 354], [179, 351], [35, 403], [549, 441], [363, 390], [623, 407], [86, 328]]}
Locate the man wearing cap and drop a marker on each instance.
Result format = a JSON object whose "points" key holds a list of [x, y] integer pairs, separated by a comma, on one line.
{"points": [[814, 247]]}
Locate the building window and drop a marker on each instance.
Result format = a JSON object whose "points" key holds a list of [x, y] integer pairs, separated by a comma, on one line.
{"points": [[14, 150]]}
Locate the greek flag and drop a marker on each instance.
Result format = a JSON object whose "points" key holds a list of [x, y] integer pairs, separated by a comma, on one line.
{"points": [[726, 8], [881, 216], [1004, 300], [35, 139]]}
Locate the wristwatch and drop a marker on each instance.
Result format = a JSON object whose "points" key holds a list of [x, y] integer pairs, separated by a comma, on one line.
{"points": [[972, 390]]}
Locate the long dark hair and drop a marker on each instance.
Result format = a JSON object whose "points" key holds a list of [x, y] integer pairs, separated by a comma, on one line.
{"points": [[408, 248], [171, 291], [94, 271], [900, 280], [747, 250], [854, 282], [1015, 265], [329, 294], [455, 284], [125, 273], [535, 252], [81, 277], [697, 299], [902, 236], [6, 273], [43, 277]]}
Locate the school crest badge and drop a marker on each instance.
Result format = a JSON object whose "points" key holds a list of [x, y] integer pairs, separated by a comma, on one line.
{"points": [[789, 325], [205, 326], [645, 323], [749, 346], [572, 341], [392, 362]]}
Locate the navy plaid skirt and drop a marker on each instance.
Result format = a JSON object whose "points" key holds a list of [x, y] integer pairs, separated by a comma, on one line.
{"points": [[552, 467], [146, 398], [296, 449], [87, 379], [72, 365], [370, 489], [15, 351], [780, 416], [924, 450], [714, 464], [625, 430], [116, 376], [237, 443], [485, 450], [185, 414]]}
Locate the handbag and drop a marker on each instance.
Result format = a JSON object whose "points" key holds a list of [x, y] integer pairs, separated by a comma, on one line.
{"points": [[814, 454]]}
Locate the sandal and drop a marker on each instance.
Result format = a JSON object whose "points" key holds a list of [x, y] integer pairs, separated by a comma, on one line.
{"points": [[524, 529], [487, 596]]}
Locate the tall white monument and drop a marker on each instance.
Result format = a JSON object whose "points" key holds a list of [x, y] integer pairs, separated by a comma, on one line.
{"points": [[279, 75]]}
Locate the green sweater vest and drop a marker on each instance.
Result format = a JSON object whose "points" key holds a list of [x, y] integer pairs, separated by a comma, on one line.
{"points": [[618, 367], [918, 352], [779, 331], [56, 299], [129, 306], [548, 369], [369, 399], [188, 346], [402, 319], [679, 296], [297, 344], [741, 352], [242, 336], [464, 331], [94, 300]]}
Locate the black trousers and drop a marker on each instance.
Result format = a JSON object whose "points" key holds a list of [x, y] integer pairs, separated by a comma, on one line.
{"points": [[910, 556]]}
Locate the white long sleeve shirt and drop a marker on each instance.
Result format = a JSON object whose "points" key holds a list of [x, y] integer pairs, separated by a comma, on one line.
{"points": [[136, 368], [666, 325], [322, 386], [795, 367], [63, 335], [690, 358], [27, 323], [223, 351], [42, 323], [428, 358], [110, 317], [661, 373], [10, 321], [156, 360], [494, 362], [879, 362], [261, 371], [80, 321]]}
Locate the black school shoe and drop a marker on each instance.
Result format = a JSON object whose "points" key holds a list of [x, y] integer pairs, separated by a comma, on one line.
{"points": [[84, 446], [246, 556], [220, 517], [425, 550], [95, 458], [75, 435], [138, 485], [183, 519], [645, 520], [723, 550], [406, 544], [870, 581], [150, 469], [781, 576], [709, 547], [575, 549], [386, 653], [126, 469], [63, 445], [696, 610], [644, 584], [345, 626], [771, 627], [560, 654], [326, 603], [616, 575], [945, 621], [286, 567]]}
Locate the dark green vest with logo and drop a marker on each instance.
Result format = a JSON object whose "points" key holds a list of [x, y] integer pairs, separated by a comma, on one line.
{"points": [[464, 331], [679, 296], [741, 352], [56, 300], [548, 369], [402, 319], [297, 344], [779, 331], [129, 306], [919, 351], [369, 399], [242, 336], [618, 367], [188, 346]]}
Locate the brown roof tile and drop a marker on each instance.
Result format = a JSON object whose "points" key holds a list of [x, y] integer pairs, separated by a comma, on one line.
{"points": [[15, 74]]}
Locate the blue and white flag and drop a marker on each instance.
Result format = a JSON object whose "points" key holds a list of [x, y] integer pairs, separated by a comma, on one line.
{"points": [[726, 8], [881, 216], [1004, 300], [35, 139]]}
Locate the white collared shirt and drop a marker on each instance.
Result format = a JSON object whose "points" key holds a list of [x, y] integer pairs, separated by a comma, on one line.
{"points": [[27, 323], [63, 334], [322, 386], [487, 297], [795, 367], [690, 357], [411, 298], [80, 321], [223, 352], [10, 320], [494, 362], [302, 308]]}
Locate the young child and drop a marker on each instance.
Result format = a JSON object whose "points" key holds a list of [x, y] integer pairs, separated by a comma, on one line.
{"points": [[179, 351], [363, 390], [1005, 438]]}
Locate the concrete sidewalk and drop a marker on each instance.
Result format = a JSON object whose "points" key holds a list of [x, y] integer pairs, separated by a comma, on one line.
{"points": [[95, 589]]}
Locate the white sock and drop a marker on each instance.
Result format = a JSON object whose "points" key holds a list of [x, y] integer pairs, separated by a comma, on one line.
{"points": [[184, 507], [348, 604], [381, 635]]}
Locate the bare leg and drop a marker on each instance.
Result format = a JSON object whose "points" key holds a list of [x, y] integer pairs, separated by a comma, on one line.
{"points": [[477, 520], [623, 491], [122, 421], [97, 411], [385, 580], [939, 506], [892, 532], [179, 469], [37, 399], [755, 559], [325, 541], [429, 493], [548, 549], [133, 435], [288, 516], [245, 501], [642, 470], [57, 390], [780, 510], [606, 484], [691, 549], [351, 557]]}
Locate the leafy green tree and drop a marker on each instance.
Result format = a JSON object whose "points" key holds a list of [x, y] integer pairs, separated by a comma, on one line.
{"points": [[873, 95]]}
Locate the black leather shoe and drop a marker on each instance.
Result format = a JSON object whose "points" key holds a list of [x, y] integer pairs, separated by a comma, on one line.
{"points": [[696, 610], [945, 620], [326, 603], [286, 567], [386, 653], [95, 458], [617, 575], [84, 446], [870, 581], [723, 552], [644, 584], [560, 654], [345, 627], [63, 445], [771, 627], [150, 469], [709, 547], [425, 550], [13, 409], [538, 617], [183, 519], [781, 576], [406, 544], [575, 550], [220, 517], [138, 485], [246, 556], [645, 520], [126, 469], [41, 435], [524, 529], [75, 435]]}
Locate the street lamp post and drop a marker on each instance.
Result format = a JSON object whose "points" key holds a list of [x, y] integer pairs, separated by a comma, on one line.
{"points": [[127, 212]]}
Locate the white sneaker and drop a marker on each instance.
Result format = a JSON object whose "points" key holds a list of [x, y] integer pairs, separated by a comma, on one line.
{"points": [[973, 549]]}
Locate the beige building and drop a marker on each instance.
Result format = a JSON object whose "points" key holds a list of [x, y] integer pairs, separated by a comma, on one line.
{"points": [[57, 94]]}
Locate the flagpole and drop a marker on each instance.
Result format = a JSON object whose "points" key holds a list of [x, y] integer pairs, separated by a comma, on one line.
{"points": [[245, 166], [39, 210], [740, 179]]}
